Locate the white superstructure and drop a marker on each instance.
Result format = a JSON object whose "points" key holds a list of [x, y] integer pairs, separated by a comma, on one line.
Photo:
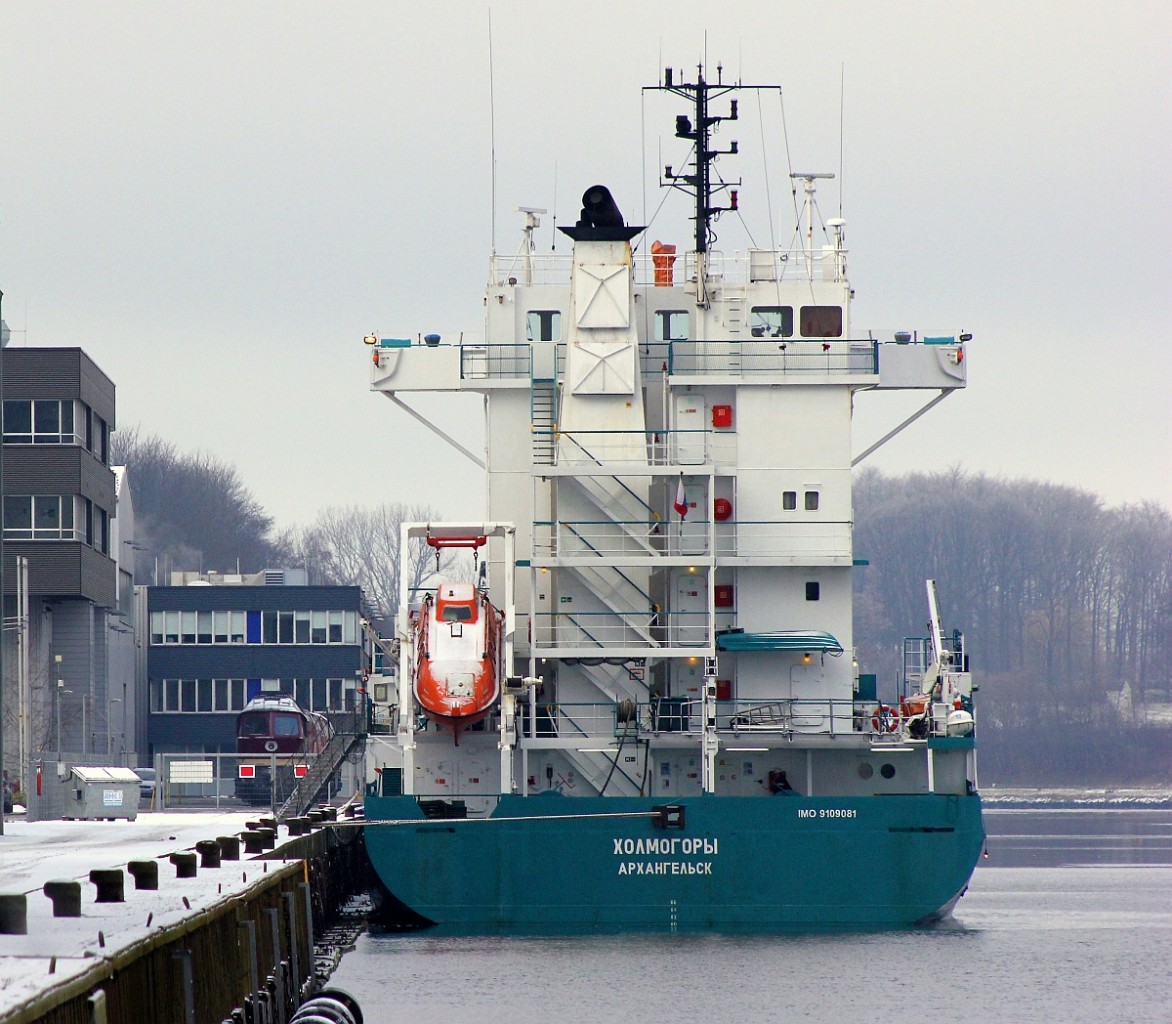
{"points": [[664, 653]]}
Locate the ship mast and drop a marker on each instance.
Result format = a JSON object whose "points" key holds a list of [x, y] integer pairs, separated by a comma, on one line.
{"points": [[698, 127]]}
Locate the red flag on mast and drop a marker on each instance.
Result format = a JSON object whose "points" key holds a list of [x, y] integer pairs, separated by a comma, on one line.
{"points": [[681, 502]]}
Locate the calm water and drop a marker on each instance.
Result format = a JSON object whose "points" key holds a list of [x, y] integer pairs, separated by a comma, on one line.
{"points": [[1069, 920]]}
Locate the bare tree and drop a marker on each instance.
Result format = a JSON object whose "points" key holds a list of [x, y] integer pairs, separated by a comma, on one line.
{"points": [[360, 546], [191, 509]]}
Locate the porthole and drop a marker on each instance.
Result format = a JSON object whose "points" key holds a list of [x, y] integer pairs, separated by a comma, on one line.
{"points": [[887, 771], [865, 770]]}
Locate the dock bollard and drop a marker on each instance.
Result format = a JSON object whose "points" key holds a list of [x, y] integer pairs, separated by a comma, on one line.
{"points": [[229, 847], [14, 913], [268, 837], [315, 819], [145, 873], [253, 842], [329, 813], [66, 896], [209, 853], [296, 827], [184, 865], [267, 823], [329, 1006], [110, 883]]}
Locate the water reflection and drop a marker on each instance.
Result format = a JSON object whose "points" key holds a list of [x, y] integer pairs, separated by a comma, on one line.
{"points": [[1069, 837]]}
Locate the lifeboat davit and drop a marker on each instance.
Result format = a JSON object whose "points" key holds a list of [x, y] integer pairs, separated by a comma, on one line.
{"points": [[458, 645]]}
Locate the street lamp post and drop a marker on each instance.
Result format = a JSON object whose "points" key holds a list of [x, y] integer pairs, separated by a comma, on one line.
{"points": [[60, 690], [109, 733]]}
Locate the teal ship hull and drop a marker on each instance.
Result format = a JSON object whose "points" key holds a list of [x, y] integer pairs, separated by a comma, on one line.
{"points": [[738, 864]]}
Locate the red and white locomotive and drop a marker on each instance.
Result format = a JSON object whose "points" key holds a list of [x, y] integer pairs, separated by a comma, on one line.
{"points": [[276, 727]]}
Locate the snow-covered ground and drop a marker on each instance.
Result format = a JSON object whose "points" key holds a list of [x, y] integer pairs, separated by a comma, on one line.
{"points": [[34, 852]]}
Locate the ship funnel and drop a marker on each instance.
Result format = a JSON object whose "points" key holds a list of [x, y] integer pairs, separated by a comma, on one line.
{"points": [[599, 210], [601, 219]]}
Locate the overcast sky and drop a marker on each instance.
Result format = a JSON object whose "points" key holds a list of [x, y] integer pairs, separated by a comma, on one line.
{"points": [[218, 200]]}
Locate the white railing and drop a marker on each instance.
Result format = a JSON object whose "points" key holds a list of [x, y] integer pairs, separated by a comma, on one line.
{"points": [[731, 268], [620, 538], [744, 719], [593, 633]]}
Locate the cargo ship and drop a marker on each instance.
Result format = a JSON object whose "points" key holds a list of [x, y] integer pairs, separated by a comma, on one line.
{"points": [[679, 737]]}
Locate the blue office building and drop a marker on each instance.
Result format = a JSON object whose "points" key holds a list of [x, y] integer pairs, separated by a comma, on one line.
{"points": [[217, 641]]}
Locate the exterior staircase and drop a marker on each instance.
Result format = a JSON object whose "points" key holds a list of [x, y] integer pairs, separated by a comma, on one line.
{"points": [[309, 788]]}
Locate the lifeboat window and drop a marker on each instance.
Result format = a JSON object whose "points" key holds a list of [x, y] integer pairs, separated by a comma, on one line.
{"points": [[456, 613], [772, 321], [821, 321], [672, 325], [543, 325], [811, 501], [789, 500]]}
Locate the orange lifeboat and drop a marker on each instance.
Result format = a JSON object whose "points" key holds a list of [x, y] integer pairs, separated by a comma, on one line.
{"points": [[458, 647]]}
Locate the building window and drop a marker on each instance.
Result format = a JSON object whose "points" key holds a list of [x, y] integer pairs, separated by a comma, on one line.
{"points": [[43, 421], [789, 500], [38, 517], [771, 321], [813, 590], [811, 501], [101, 530], [672, 325], [301, 631], [821, 321], [197, 696], [228, 627], [543, 325], [84, 514]]}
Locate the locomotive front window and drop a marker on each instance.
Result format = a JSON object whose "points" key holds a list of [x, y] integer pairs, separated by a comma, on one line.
{"points": [[254, 725], [286, 725]]}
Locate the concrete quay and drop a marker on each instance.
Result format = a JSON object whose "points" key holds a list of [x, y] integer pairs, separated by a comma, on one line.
{"points": [[85, 937]]}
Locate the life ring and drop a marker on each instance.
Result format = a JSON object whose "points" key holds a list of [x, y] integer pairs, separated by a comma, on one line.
{"points": [[885, 719]]}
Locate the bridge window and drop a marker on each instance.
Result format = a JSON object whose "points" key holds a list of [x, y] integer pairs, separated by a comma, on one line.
{"points": [[772, 321], [543, 325], [672, 325], [813, 590], [821, 321]]}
